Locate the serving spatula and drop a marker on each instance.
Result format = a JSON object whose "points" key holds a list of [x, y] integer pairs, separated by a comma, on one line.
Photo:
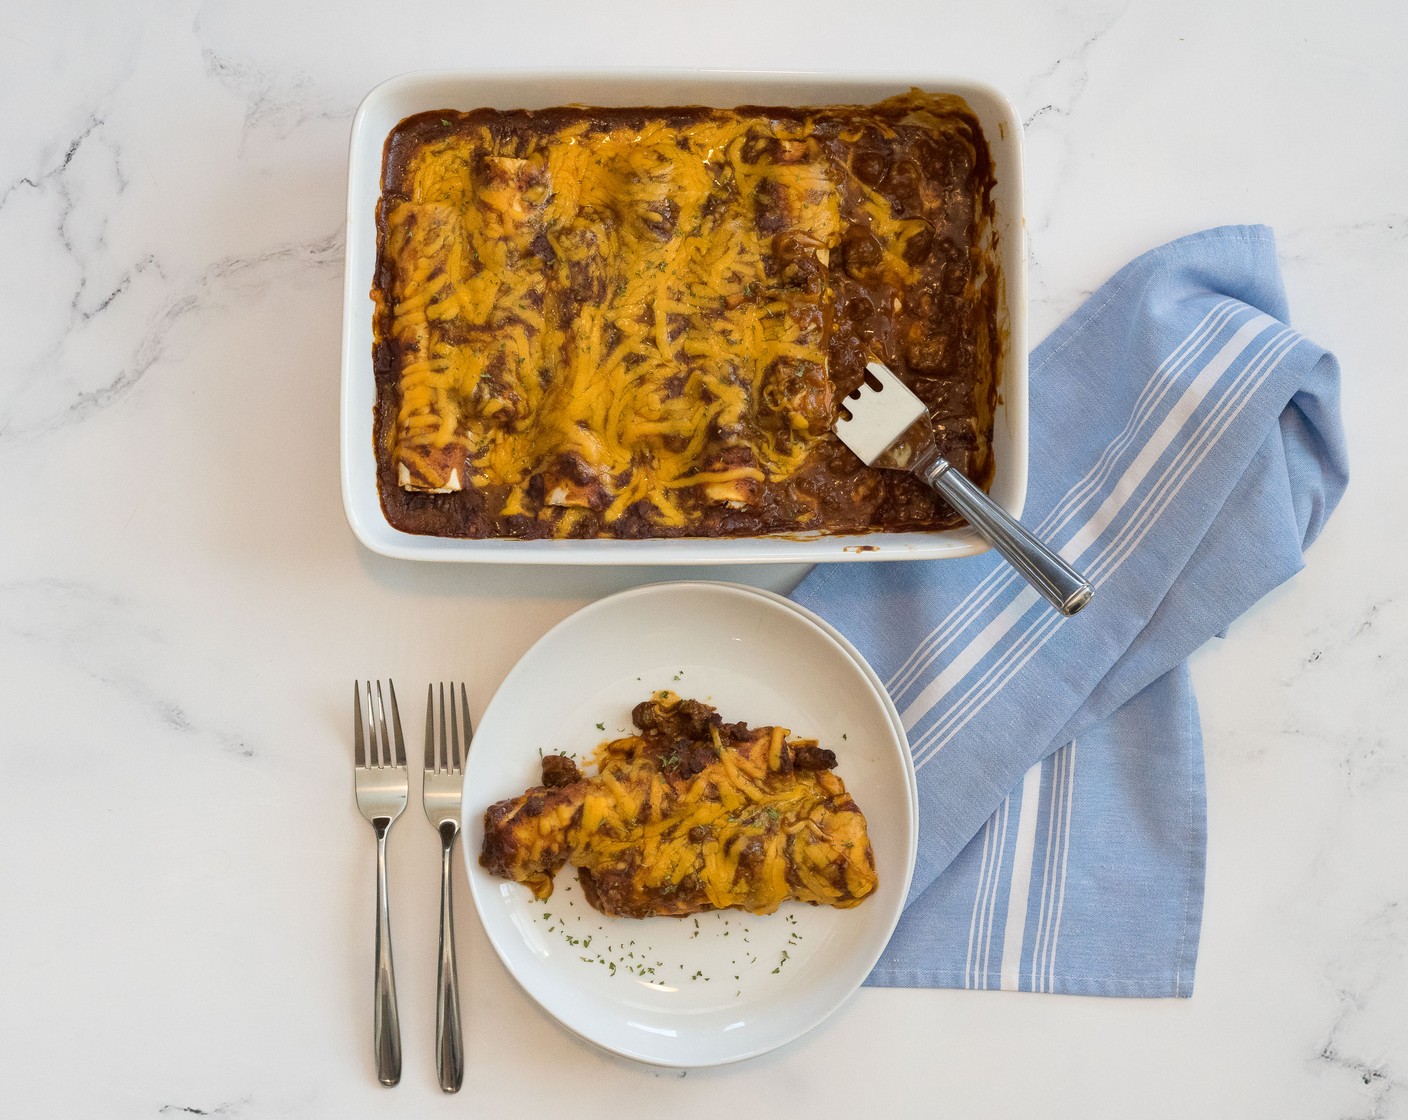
{"points": [[889, 427]]}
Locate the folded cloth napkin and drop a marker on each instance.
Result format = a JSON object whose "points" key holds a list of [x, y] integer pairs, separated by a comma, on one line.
{"points": [[1186, 447]]}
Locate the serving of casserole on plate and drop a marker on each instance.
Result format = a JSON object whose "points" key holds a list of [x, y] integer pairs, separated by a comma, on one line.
{"points": [[743, 971], [622, 334]]}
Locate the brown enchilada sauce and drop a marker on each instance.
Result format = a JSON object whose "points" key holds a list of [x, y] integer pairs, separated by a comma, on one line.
{"points": [[937, 329]]}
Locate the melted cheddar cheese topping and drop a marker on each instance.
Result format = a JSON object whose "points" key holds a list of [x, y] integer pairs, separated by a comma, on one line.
{"points": [[707, 817], [605, 316], [639, 321]]}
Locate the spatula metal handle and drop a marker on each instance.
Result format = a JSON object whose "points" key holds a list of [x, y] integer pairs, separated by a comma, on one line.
{"points": [[1062, 586]]}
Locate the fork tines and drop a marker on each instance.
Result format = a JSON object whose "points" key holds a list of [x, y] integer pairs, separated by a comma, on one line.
{"points": [[386, 749], [443, 753]]}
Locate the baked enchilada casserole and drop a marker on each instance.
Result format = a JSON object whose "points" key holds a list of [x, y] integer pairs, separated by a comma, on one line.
{"points": [[640, 322], [689, 814]]}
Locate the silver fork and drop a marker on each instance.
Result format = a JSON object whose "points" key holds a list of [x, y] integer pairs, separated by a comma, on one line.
{"points": [[382, 786], [442, 791]]}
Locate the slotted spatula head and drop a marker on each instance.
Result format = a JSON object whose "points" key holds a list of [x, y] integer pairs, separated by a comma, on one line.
{"points": [[881, 418]]}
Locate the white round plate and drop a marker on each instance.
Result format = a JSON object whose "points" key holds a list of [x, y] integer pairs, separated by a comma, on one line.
{"points": [[719, 987]]}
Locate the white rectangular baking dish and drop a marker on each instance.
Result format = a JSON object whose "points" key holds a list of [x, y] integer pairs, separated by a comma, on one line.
{"points": [[392, 101]]}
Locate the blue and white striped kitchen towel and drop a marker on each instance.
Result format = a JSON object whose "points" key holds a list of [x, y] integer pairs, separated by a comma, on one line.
{"points": [[1186, 447]]}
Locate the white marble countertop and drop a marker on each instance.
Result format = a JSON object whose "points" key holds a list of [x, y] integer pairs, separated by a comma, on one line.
{"points": [[186, 885]]}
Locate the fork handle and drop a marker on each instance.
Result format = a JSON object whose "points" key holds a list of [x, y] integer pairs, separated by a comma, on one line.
{"points": [[386, 1023], [449, 1043], [1060, 584]]}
